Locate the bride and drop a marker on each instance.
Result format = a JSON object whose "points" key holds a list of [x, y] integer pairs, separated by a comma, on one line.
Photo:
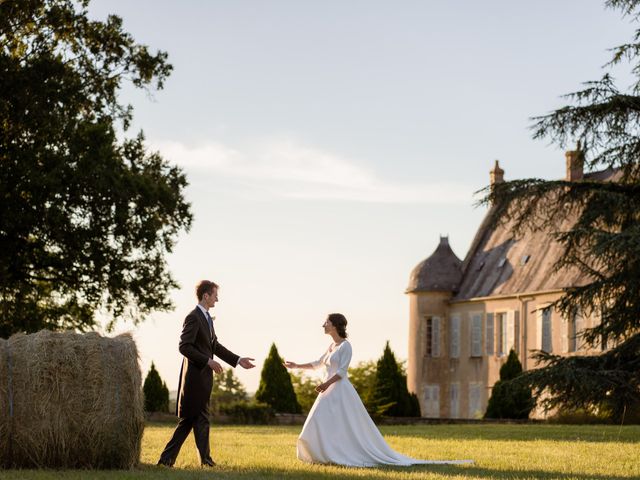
{"points": [[338, 428]]}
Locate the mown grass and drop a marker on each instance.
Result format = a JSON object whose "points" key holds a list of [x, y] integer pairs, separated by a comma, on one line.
{"points": [[582, 452]]}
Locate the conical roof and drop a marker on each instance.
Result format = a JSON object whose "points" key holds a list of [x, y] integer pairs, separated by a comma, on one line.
{"points": [[441, 272]]}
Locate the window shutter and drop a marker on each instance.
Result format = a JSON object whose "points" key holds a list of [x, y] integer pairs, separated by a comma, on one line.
{"points": [[546, 330], [475, 391], [579, 328], [454, 403], [490, 334], [516, 330], [454, 347], [432, 401], [435, 337], [510, 333], [476, 335]]}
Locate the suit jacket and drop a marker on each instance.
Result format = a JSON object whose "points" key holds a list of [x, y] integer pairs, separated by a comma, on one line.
{"points": [[197, 346]]}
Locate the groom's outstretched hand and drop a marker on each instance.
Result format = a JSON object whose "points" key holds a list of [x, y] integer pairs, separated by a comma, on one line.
{"points": [[245, 362]]}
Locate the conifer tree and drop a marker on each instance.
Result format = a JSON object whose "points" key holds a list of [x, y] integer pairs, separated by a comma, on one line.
{"points": [[510, 399], [156, 393], [602, 241], [389, 395], [276, 389]]}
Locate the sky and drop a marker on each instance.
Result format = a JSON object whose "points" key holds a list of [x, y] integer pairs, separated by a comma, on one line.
{"points": [[329, 144]]}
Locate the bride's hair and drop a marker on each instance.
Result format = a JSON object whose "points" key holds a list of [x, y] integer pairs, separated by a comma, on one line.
{"points": [[340, 322]]}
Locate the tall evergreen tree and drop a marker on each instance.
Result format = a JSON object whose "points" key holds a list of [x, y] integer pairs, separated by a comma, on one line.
{"points": [[275, 387], [510, 399], [389, 395], [156, 393], [88, 214], [603, 242]]}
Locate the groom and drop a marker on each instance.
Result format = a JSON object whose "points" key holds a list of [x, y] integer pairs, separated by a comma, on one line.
{"points": [[198, 344]]}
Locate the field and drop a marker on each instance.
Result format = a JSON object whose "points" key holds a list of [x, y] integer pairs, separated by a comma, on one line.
{"points": [[580, 452]]}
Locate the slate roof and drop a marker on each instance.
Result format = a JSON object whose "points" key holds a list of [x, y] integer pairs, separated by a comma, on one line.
{"points": [[498, 264], [442, 271]]}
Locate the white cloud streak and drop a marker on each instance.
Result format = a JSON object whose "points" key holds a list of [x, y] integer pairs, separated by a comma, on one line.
{"points": [[287, 169]]}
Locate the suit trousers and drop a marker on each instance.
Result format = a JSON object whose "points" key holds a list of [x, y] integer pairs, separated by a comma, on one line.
{"points": [[200, 426]]}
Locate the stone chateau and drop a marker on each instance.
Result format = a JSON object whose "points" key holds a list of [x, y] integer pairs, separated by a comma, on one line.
{"points": [[466, 315]]}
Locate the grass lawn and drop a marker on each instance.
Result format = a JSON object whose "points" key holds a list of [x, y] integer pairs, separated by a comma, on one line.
{"points": [[500, 451]]}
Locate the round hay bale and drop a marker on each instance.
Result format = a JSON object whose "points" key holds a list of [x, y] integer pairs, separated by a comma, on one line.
{"points": [[70, 400]]}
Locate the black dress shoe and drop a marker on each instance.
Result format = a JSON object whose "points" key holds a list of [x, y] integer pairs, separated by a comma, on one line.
{"points": [[208, 463], [165, 464]]}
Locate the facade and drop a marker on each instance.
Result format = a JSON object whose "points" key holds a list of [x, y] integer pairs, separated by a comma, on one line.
{"points": [[465, 316]]}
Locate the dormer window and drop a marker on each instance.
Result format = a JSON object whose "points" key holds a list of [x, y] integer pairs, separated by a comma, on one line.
{"points": [[502, 261], [524, 259]]}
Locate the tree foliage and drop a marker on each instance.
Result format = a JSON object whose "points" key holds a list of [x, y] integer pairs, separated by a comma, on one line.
{"points": [[156, 393], [363, 377], [389, 395], [275, 387], [227, 389], [509, 398], [87, 213], [305, 389], [602, 239]]}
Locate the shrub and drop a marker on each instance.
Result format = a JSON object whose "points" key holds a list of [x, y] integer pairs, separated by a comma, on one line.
{"points": [[389, 395], [249, 412], [510, 398], [275, 387], [156, 393]]}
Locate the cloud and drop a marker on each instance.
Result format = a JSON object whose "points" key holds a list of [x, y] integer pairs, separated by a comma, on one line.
{"points": [[283, 167]]}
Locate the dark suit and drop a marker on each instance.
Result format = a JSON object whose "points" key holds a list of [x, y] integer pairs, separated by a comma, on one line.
{"points": [[197, 345]]}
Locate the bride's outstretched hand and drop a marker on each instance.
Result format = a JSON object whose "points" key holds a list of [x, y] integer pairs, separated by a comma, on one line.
{"points": [[290, 364]]}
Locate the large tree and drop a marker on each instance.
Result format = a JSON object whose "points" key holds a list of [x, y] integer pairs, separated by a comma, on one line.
{"points": [[602, 241], [87, 213]]}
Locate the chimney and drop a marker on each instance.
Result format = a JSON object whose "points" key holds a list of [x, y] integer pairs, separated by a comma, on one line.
{"points": [[496, 175], [575, 164]]}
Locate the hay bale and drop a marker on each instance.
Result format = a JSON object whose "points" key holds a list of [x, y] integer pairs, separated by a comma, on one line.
{"points": [[70, 400]]}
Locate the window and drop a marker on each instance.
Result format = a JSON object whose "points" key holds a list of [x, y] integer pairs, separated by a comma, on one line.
{"points": [[575, 327], [432, 337], [546, 331], [475, 400], [454, 343], [454, 400], [428, 336], [432, 401], [476, 335], [489, 341]]}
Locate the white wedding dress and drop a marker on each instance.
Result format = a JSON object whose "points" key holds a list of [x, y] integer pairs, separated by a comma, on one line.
{"points": [[338, 428]]}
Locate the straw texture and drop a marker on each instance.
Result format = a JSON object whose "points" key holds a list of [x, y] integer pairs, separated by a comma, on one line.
{"points": [[70, 400]]}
